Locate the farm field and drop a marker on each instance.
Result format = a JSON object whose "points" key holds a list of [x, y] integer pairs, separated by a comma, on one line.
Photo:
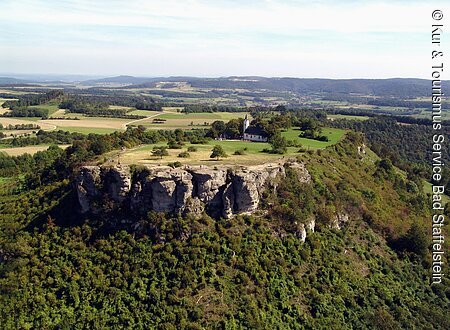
{"points": [[102, 125], [349, 117], [88, 124], [85, 125], [14, 92], [252, 155], [27, 150], [5, 121], [175, 120]]}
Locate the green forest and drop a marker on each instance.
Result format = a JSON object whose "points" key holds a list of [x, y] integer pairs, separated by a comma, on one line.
{"points": [[62, 270]]}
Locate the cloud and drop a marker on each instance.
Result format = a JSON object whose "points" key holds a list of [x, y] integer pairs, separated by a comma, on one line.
{"points": [[336, 32]]}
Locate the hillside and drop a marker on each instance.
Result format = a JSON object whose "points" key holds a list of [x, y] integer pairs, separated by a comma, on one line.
{"points": [[13, 81], [394, 87], [379, 87], [363, 263]]}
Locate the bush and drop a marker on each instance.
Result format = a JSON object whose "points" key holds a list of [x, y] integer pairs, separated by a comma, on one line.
{"points": [[192, 149], [175, 164], [199, 140], [239, 152], [175, 144], [184, 154]]}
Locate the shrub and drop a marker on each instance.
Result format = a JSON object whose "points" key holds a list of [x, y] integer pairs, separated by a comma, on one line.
{"points": [[175, 164], [192, 149], [199, 140], [184, 154], [175, 144], [239, 152]]}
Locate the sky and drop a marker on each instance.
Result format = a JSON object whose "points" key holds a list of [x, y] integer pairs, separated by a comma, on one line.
{"points": [[210, 38]]}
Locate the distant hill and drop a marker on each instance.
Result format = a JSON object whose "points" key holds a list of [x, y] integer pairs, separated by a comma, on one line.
{"points": [[395, 87], [126, 80], [399, 87], [13, 81], [378, 87]]}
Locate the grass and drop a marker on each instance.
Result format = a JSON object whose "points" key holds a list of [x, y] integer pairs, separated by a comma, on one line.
{"points": [[333, 134], [252, 155], [52, 107]]}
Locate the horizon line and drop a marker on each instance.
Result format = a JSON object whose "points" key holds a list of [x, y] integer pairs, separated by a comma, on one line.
{"points": [[103, 76]]}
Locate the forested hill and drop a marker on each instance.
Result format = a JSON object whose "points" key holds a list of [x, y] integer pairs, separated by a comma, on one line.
{"points": [[395, 87], [379, 87], [61, 270]]}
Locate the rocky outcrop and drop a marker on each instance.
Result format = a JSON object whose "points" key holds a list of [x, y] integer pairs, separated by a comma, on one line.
{"points": [[303, 229], [339, 220], [117, 181], [87, 185], [220, 191]]}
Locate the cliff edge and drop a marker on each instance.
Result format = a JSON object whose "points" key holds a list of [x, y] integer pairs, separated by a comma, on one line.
{"points": [[220, 191]]}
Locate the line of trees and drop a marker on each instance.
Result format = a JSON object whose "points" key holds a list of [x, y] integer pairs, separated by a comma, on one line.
{"points": [[27, 112], [97, 109], [32, 99]]}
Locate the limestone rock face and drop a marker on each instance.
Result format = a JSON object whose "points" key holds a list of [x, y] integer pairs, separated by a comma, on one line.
{"points": [[220, 191], [228, 201], [207, 182], [163, 194], [167, 190], [86, 184], [117, 181], [243, 193], [193, 206]]}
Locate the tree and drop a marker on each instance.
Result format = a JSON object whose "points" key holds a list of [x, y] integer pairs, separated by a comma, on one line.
{"points": [[217, 128], [279, 144], [160, 152], [234, 128], [416, 240], [218, 152]]}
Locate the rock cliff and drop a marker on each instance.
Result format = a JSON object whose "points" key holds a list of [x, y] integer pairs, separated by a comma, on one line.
{"points": [[220, 191]]}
